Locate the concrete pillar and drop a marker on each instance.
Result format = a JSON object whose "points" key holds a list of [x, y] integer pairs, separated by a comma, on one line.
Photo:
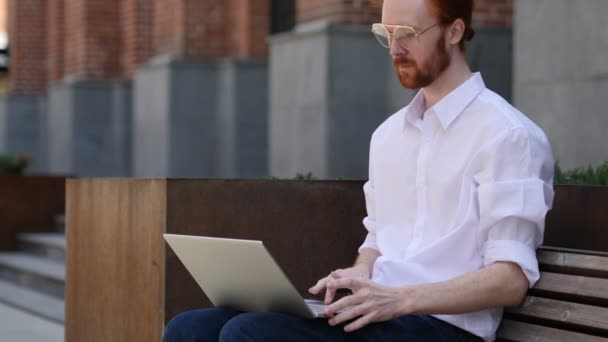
{"points": [[22, 128], [560, 75], [330, 88], [201, 104], [200, 119], [90, 106], [89, 128]]}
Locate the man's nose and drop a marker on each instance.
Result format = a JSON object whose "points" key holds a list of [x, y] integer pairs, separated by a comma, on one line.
{"points": [[396, 49]]}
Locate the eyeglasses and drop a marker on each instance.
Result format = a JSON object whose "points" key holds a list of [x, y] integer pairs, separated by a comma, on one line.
{"points": [[405, 36]]}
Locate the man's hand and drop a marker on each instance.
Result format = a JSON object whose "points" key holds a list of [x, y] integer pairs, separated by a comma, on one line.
{"points": [[370, 302], [360, 271]]}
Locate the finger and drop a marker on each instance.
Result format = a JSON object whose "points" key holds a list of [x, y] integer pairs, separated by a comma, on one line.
{"points": [[319, 286], [330, 293], [343, 304], [345, 283], [359, 323], [337, 274], [349, 314]]}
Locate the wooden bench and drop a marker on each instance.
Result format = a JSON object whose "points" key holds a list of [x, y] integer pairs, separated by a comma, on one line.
{"points": [[569, 302], [118, 263]]}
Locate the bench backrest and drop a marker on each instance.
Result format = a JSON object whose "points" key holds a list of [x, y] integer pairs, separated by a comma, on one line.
{"points": [[569, 302]]}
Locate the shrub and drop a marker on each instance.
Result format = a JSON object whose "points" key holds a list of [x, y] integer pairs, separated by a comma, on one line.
{"points": [[583, 175]]}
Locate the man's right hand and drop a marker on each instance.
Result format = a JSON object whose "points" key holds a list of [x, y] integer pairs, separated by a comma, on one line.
{"points": [[357, 271]]}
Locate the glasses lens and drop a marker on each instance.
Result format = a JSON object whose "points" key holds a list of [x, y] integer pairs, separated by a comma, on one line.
{"points": [[381, 34], [405, 36]]}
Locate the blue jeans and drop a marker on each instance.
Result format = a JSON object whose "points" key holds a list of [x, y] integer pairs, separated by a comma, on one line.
{"points": [[229, 325]]}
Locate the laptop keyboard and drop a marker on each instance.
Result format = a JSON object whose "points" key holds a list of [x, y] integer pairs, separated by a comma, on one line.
{"points": [[317, 306]]}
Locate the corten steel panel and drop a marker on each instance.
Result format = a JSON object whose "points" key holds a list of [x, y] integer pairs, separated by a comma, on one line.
{"points": [[28, 204], [310, 228], [115, 260], [579, 218]]}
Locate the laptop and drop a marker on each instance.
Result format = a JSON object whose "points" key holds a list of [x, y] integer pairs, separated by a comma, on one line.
{"points": [[241, 275]]}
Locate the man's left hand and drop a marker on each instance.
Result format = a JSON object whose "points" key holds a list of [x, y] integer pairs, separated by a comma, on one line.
{"points": [[370, 302]]}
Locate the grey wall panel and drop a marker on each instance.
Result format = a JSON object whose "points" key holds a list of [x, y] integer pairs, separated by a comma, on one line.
{"points": [[561, 75], [151, 103], [299, 73], [491, 53], [251, 119], [21, 128], [193, 120], [357, 99], [60, 128], [89, 128]]}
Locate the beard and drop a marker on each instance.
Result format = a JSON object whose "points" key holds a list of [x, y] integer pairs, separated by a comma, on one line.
{"points": [[412, 76]]}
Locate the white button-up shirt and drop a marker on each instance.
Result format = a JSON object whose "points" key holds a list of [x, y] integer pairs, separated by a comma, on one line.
{"points": [[456, 188]]}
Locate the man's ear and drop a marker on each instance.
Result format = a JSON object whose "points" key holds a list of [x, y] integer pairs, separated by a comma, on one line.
{"points": [[456, 32]]}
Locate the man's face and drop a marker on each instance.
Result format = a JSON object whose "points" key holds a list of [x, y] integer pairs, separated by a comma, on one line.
{"points": [[423, 60]]}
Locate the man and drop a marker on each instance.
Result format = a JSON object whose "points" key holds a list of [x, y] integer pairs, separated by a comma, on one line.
{"points": [[459, 185]]}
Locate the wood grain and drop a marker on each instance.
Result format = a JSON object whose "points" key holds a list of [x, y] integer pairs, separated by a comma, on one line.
{"points": [[564, 315], [513, 331], [579, 289], [571, 263], [115, 260]]}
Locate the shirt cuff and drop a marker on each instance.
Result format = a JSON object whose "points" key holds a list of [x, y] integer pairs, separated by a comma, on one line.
{"points": [[513, 251]]}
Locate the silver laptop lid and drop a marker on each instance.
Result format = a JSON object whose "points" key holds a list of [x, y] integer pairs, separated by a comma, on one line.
{"points": [[238, 274]]}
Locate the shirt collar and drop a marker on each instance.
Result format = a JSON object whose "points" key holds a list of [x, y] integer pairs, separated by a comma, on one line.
{"points": [[448, 108]]}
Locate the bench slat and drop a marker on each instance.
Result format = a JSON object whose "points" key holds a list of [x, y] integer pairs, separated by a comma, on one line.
{"points": [[573, 251], [518, 331], [572, 288], [563, 315], [585, 265]]}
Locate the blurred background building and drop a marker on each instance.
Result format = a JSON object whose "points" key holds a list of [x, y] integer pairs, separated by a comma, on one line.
{"points": [[252, 88]]}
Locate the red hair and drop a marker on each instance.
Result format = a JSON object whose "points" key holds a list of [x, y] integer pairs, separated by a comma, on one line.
{"points": [[449, 11]]}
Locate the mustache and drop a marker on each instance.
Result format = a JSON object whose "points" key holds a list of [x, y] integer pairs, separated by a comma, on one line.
{"points": [[403, 61]]}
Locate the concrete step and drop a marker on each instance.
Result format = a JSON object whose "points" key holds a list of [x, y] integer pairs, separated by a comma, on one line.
{"points": [[19, 326], [33, 302], [34, 272], [48, 245]]}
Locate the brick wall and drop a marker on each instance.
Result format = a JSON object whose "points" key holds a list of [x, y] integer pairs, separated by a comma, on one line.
{"points": [[93, 39], [27, 34], [488, 13], [250, 24], [209, 29], [493, 13], [166, 31], [55, 39], [137, 33], [341, 11]]}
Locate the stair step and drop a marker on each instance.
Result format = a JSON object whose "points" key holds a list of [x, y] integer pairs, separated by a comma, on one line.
{"points": [[33, 302], [34, 272], [49, 245]]}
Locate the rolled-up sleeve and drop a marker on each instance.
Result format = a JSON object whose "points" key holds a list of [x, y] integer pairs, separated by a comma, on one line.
{"points": [[370, 203], [515, 191]]}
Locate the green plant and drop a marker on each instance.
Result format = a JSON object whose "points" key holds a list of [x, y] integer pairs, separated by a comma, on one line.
{"points": [[13, 164], [305, 177], [582, 175]]}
